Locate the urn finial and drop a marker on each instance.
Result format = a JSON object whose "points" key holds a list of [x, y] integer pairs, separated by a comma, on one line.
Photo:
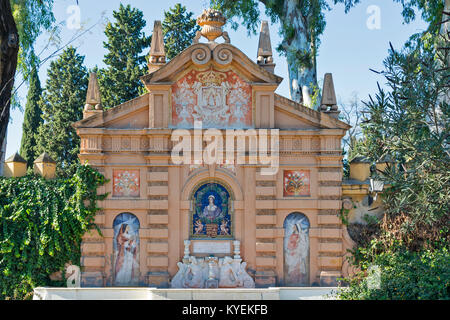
{"points": [[211, 21]]}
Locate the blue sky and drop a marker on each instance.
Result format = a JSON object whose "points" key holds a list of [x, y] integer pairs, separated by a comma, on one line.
{"points": [[348, 47]]}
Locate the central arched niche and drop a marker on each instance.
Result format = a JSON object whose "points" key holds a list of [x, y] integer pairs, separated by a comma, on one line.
{"points": [[211, 212]]}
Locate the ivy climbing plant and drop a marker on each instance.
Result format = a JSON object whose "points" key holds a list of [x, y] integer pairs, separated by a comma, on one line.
{"points": [[42, 222]]}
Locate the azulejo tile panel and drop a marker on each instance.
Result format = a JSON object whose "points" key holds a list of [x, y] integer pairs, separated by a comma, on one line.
{"points": [[296, 183], [126, 183]]}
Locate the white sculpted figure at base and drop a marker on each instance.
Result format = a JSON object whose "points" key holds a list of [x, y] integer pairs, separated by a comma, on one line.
{"points": [[228, 276], [178, 281], [245, 280], [195, 275], [229, 272]]}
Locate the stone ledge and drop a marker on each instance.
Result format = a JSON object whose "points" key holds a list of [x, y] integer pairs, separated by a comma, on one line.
{"points": [[330, 261], [157, 176], [265, 247], [269, 233], [266, 219], [158, 190], [328, 219], [266, 191], [329, 191], [92, 247], [325, 233], [330, 247], [93, 261], [260, 177], [158, 204], [266, 261], [158, 247], [157, 219], [268, 292], [330, 176], [159, 233], [157, 261]]}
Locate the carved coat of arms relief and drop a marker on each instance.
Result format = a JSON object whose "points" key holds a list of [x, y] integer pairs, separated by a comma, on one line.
{"points": [[218, 99]]}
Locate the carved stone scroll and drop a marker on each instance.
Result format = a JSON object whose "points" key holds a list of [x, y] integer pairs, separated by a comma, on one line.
{"points": [[222, 55], [201, 55]]}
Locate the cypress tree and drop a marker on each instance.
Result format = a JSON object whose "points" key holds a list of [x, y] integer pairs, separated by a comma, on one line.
{"points": [[32, 119], [125, 61], [179, 29], [62, 104]]}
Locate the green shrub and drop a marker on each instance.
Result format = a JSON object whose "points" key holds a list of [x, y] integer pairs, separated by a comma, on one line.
{"points": [[404, 275], [42, 222]]}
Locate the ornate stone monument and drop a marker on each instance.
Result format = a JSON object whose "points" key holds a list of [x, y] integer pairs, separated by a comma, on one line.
{"points": [[197, 224]]}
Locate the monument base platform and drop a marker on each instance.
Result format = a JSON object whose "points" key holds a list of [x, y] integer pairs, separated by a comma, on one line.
{"points": [[278, 293]]}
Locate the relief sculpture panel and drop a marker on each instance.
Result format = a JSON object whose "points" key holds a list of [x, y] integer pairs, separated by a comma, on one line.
{"points": [[218, 99]]}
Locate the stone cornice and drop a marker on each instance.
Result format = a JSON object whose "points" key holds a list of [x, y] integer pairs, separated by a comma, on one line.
{"points": [[317, 118], [100, 119]]}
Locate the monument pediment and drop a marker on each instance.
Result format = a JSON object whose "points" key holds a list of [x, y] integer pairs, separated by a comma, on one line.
{"points": [[215, 83], [222, 56]]}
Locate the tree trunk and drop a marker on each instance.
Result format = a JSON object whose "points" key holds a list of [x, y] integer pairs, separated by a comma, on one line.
{"points": [[3, 154], [9, 48], [445, 27], [302, 76]]}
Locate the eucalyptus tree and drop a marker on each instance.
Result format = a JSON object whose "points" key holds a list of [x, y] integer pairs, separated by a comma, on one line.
{"points": [[302, 23], [21, 22]]}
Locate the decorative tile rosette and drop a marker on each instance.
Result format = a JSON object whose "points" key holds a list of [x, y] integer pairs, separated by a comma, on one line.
{"points": [[296, 183], [126, 183]]}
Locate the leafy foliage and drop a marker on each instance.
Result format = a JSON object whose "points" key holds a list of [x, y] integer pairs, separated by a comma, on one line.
{"points": [[248, 11], [125, 64], [32, 119], [179, 29], [22, 22], [302, 23], [409, 124], [62, 104], [42, 223], [403, 275], [31, 17]]}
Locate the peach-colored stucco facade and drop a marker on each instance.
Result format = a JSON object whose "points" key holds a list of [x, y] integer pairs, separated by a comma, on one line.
{"points": [[131, 145]]}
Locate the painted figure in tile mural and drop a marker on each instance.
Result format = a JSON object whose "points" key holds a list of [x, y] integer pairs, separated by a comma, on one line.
{"points": [[211, 211], [296, 249], [211, 216], [127, 251]]}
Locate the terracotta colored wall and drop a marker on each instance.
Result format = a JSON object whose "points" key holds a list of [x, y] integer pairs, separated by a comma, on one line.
{"points": [[260, 206]]}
